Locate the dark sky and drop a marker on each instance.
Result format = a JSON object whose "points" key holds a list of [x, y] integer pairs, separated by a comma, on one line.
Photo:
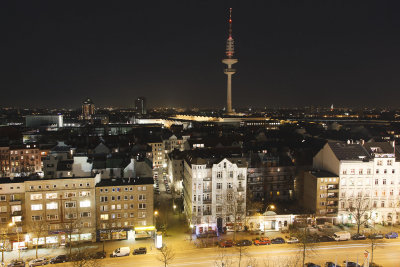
{"points": [[291, 53]]}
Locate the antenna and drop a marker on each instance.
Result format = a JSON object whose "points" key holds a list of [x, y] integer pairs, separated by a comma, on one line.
{"points": [[230, 23]]}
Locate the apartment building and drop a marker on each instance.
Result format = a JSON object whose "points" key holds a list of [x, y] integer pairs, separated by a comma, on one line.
{"points": [[4, 161], [367, 171], [124, 208], [12, 210], [25, 159], [157, 148], [214, 191], [321, 194], [65, 205]]}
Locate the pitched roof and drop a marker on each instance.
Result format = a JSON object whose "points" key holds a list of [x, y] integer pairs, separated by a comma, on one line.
{"points": [[345, 151]]}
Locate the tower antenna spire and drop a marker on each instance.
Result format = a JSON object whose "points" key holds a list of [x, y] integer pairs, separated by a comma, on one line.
{"points": [[230, 22]]}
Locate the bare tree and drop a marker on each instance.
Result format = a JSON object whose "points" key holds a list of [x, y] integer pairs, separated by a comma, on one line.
{"points": [[282, 262], [360, 209], [81, 257], [242, 251], [374, 244], [235, 208], [39, 229], [222, 259], [306, 243], [166, 255]]}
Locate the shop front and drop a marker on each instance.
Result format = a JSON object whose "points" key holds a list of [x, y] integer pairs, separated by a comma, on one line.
{"points": [[144, 232], [113, 234]]}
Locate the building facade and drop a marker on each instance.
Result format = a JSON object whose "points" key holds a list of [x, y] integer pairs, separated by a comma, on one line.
{"points": [[124, 208], [215, 193], [368, 172], [321, 194]]}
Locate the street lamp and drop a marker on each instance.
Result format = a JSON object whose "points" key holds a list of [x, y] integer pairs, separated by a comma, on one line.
{"points": [[270, 207], [11, 224]]}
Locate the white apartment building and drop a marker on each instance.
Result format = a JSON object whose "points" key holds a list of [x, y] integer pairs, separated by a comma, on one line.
{"points": [[215, 193], [368, 171]]}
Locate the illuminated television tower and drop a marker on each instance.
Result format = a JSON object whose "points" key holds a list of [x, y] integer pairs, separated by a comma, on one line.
{"points": [[229, 61]]}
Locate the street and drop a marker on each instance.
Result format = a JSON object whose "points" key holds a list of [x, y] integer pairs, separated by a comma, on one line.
{"points": [[387, 254]]}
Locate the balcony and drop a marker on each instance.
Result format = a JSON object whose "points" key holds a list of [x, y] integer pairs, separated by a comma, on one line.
{"points": [[240, 189], [207, 201], [240, 177], [207, 190], [16, 213], [332, 211], [15, 202], [207, 179], [206, 212]]}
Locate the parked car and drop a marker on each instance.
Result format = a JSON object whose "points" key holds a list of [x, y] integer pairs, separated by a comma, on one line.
{"points": [[341, 236], [292, 240], [141, 250], [351, 264], [38, 262], [324, 238], [310, 264], [98, 255], [331, 264], [16, 263], [226, 243], [262, 241], [392, 235], [278, 240], [243, 242], [59, 259], [358, 237], [376, 236], [121, 252]]}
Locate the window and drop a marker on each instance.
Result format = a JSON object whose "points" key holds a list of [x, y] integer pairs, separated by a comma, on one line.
{"points": [[3, 208], [368, 171], [384, 181], [125, 206], [377, 171], [84, 194], [71, 204], [142, 197], [84, 204], [353, 171], [382, 204], [219, 174], [104, 208], [112, 198], [36, 218], [36, 207], [344, 172], [360, 171], [103, 217], [85, 214], [52, 217], [389, 162], [51, 195], [36, 196], [379, 163], [118, 206], [112, 207], [144, 188], [131, 215], [230, 185], [52, 206], [219, 185], [142, 205], [376, 181], [125, 198], [70, 194], [103, 199]]}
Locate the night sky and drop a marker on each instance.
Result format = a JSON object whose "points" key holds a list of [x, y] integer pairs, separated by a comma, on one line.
{"points": [[291, 53]]}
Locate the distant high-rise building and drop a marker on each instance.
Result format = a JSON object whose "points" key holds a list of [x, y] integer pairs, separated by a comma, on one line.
{"points": [[140, 105], [229, 61], [88, 109]]}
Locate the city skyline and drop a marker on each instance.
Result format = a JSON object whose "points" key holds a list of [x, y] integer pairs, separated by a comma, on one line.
{"points": [[291, 55]]}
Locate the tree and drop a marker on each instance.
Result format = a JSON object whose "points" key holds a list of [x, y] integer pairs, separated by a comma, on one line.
{"points": [[39, 229], [360, 210], [166, 255], [306, 242], [242, 251], [223, 259], [374, 243], [235, 208], [81, 257]]}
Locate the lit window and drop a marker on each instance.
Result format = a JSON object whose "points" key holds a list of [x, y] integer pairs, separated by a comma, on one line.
{"points": [[52, 206], [84, 204], [37, 207]]}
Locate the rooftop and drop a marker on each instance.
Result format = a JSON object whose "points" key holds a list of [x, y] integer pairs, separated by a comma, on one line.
{"points": [[126, 181]]}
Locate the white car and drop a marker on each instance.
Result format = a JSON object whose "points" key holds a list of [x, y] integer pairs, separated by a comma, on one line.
{"points": [[38, 262], [292, 240]]}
